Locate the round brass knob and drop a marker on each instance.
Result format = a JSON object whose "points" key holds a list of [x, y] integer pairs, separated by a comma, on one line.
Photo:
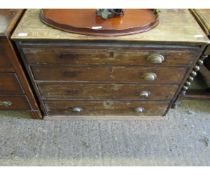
{"points": [[193, 73], [145, 94], [156, 58], [139, 109], [150, 76], [77, 109]]}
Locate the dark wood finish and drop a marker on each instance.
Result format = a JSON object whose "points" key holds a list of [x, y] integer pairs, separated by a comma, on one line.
{"points": [[202, 17], [64, 90], [63, 107], [9, 84], [15, 91], [5, 64], [44, 54], [85, 21], [108, 74], [104, 75], [14, 103]]}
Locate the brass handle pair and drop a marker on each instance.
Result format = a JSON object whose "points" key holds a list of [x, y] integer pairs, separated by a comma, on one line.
{"points": [[6, 103]]}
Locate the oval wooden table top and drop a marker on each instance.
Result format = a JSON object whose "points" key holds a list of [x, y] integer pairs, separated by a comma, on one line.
{"points": [[85, 21]]}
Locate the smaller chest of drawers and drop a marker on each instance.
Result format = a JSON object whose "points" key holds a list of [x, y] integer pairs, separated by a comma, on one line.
{"points": [[15, 91]]}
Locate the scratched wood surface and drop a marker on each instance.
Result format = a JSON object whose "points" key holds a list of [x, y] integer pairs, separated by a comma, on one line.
{"points": [[175, 26], [108, 74], [64, 107], [69, 90], [51, 54]]}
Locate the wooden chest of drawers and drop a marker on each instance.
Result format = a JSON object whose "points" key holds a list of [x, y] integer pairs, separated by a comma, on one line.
{"points": [[136, 75], [15, 92]]}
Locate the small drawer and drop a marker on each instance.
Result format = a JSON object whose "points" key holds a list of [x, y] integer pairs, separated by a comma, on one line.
{"points": [[62, 107], [5, 64], [14, 103], [9, 84], [66, 90], [110, 74], [106, 55]]}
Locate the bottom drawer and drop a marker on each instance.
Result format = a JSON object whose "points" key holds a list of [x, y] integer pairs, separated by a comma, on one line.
{"points": [[13, 103], [81, 107]]}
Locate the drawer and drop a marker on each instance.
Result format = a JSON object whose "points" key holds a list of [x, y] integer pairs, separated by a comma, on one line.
{"points": [[114, 56], [5, 64], [66, 90], [62, 107], [14, 103], [9, 84], [110, 74]]}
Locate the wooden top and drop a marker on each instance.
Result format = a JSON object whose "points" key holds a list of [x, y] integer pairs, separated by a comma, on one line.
{"points": [[8, 19], [203, 17], [177, 26]]}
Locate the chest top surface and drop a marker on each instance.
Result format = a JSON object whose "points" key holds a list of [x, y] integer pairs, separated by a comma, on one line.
{"points": [[8, 18], [203, 17], [178, 26]]}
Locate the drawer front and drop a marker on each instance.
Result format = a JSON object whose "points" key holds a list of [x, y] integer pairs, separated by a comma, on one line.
{"points": [[106, 91], [5, 64], [113, 56], [13, 103], [9, 84], [105, 108], [109, 74]]}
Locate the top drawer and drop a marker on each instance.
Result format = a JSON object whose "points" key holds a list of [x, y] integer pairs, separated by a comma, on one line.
{"points": [[95, 55]]}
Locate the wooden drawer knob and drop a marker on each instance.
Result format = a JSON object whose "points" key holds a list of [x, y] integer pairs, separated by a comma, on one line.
{"points": [[193, 73], [139, 109], [150, 76], [77, 109], [197, 68], [190, 78], [6, 103], [200, 62], [185, 88], [156, 58], [187, 83], [145, 94]]}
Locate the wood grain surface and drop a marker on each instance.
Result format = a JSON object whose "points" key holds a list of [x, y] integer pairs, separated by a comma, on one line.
{"points": [[95, 55], [67, 90], [172, 28], [108, 74], [121, 108], [9, 84]]}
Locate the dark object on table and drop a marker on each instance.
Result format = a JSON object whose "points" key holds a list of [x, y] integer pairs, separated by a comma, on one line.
{"points": [[109, 13]]}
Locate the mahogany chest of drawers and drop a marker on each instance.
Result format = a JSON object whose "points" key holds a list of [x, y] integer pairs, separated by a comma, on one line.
{"points": [[135, 75], [15, 92]]}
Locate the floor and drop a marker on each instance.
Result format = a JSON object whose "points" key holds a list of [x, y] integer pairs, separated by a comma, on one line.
{"points": [[182, 138]]}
